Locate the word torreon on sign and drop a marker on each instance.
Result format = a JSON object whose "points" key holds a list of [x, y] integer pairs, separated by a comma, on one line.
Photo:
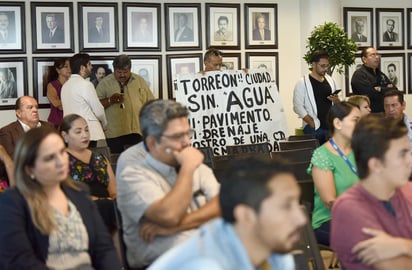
{"points": [[231, 108]]}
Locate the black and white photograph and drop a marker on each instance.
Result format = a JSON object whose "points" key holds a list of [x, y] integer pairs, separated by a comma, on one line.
{"points": [[264, 61], [52, 27], [102, 66], [231, 61], [99, 24], [181, 64], [13, 81], [42, 68], [358, 24], [183, 29], [349, 73], [12, 27], [141, 27], [410, 73], [261, 26], [389, 28], [409, 27], [393, 65], [149, 67], [222, 26]]}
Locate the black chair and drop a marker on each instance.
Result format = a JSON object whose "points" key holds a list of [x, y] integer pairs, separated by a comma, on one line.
{"points": [[306, 249], [293, 145], [301, 137], [248, 148], [296, 155]]}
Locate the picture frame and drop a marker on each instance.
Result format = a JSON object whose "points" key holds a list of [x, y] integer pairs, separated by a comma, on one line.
{"points": [[261, 26], [12, 27], [150, 68], [349, 70], [42, 67], [222, 26], [101, 65], [394, 66], [181, 64], [409, 28], [183, 27], [265, 60], [59, 17], [98, 27], [358, 23], [410, 73], [390, 28], [231, 61], [141, 26], [15, 72]]}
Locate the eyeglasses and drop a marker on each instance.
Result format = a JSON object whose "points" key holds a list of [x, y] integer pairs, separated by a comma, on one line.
{"points": [[374, 55], [179, 136], [324, 65]]}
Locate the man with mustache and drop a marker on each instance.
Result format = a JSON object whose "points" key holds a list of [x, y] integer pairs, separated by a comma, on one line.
{"points": [[122, 94]]}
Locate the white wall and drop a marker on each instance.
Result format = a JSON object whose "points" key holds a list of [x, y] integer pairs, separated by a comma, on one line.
{"points": [[296, 19]]}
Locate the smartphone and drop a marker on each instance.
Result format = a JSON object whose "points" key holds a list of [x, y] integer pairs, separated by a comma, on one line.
{"points": [[337, 91]]}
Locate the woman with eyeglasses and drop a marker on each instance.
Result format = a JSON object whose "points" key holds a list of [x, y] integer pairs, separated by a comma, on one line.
{"points": [[47, 220]]}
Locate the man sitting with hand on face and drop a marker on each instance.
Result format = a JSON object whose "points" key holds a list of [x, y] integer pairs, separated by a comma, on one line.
{"points": [[167, 193]]}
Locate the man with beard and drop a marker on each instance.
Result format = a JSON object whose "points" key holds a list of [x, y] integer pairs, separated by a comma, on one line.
{"points": [[313, 96], [261, 222], [122, 94], [79, 97]]}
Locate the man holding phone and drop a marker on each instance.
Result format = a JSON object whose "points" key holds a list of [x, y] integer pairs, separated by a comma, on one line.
{"points": [[313, 96]]}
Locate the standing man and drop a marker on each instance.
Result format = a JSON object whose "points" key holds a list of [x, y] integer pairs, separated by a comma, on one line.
{"points": [[183, 32], [212, 60], [249, 235], [313, 96], [223, 33], [165, 195], [53, 33], [392, 74], [390, 35], [260, 32], [395, 105], [370, 81], [27, 113], [372, 221], [122, 94], [98, 33], [79, 97], [358, 35], [6, 36]]}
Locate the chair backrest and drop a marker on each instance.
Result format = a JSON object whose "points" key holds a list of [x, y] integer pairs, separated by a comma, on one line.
{"points": [[307, 247], [301, 137], [209, 157], [119, 223], [300, 170], [291, 145], [296, 155], [248, 148]]}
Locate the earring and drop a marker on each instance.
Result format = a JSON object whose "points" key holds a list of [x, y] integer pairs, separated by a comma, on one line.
{"points": [[32, 177], [66, 140]]}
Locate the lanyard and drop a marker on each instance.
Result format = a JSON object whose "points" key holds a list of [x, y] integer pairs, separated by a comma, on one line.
{"points": [[334, 145]]}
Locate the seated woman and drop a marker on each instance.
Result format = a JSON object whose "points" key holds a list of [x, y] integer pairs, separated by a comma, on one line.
{"points": [[90, 167], [363, 102], [333, 166], [47, 221]]}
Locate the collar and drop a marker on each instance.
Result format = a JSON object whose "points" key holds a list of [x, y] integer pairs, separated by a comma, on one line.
{"points": [[164, 169], [26, 127]]}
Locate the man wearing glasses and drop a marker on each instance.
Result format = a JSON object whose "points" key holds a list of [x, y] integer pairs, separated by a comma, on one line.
{"points": [[167, 193], [313, 96], [370, 81]]}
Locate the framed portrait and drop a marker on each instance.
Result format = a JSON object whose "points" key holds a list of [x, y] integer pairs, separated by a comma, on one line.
{"points": [[52, 27], [410, 73], [102, 66], [389, 28], [358, 23], [183, 27], [42, 68], [13, 81], [349, 73], [181, 64], [393, 65], [409, 28], [231, 61], [150, 68], [261, 26], [98, 27], [222, 26], [12, 27], [141, 27], [264, 60]]}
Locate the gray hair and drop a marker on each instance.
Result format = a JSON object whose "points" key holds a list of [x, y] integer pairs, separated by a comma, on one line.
{"points": [[156, 114], [122, 62]]}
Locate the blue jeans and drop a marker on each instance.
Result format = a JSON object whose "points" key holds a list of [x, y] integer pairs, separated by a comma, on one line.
{"points": [[320, 133], [322, 233]]}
